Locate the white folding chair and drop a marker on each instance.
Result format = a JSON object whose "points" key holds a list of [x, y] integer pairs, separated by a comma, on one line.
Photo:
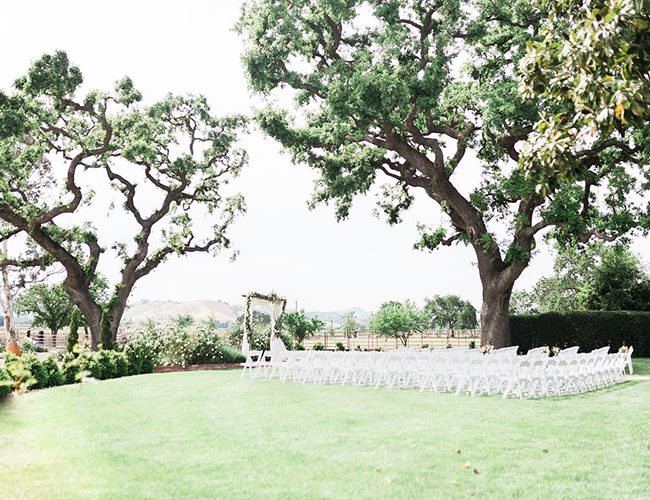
{"points": [[253, 360], [629, 359]]}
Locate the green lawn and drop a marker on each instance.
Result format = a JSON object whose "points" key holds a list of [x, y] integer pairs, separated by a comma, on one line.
{"points": [[641, 366], [211, 435]]}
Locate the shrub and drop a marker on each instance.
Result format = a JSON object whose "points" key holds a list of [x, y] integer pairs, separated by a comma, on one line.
{"points": [[71, 366], [26, 345], [231, 354], [34, 365], [94, 368], [147, 366], [425, 346], [101, 365], [135, 363], [206, 347], [6, 382], [587, 329], [298, 347], [141, 346], [318, 346], [121, 363], [54, 375], [340, 346], [20, 375]]}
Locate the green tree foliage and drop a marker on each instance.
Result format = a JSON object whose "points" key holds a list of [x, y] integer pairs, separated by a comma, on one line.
{"points": [[619, 283], [565, 290], [299, 326], [523, 302], [398, 321], [50, 306], [167, 164], [451, 312], [184, 320], [592, 63], [350, 325], [596, 278], [73, 335], [402, 91]]}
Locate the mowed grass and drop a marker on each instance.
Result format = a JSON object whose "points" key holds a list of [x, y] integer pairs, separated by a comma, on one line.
{"points": [[641, 366], [211, 435]]}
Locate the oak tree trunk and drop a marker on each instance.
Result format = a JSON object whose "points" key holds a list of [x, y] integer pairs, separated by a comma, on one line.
{"points": [[495, 325], [89, 308]]}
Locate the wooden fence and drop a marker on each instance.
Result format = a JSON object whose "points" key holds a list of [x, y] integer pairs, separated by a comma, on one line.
{"points": [[46, 339], [371, 341], [360, 340]]}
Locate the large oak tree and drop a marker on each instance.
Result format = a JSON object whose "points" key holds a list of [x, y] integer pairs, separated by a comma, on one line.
{"points": [[401, 90], [166, 162]]}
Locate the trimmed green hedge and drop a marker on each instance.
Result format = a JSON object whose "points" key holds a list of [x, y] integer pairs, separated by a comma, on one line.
{"points": [[587, 329]]}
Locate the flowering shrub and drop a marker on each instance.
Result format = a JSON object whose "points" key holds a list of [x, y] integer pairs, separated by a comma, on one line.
{"points": [[624, 349], [141, 346], [169, 343], [555, 350]]}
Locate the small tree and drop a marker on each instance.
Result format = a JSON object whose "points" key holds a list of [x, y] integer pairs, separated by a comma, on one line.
{"points": [[349, 326], [398, 321], [299, 326], [106, 336], [73, 335], [450, 311], [49, 304]]}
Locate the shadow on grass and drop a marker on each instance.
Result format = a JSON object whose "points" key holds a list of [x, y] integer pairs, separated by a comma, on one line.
{"points": [[5, 400]]}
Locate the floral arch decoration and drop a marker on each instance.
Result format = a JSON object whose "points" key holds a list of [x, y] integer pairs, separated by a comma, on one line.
{"points": [[272, 300]]}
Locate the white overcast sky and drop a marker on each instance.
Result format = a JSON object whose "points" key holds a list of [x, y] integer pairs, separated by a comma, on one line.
{"points": [[189, 47]]}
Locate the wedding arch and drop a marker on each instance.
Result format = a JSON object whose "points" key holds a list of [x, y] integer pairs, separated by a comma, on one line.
{"points": [[273, 301]]}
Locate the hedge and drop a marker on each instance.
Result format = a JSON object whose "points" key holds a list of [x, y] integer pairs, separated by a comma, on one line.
{"points": [[587, 329]]}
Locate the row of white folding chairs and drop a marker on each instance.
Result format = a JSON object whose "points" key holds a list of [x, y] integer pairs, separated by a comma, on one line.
{"points": [[458, 370], [401, 368], [539, 375], [353, 367]]}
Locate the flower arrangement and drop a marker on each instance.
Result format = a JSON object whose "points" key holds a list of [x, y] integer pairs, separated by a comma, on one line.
{"points": [[486, 349], [624, 349]]}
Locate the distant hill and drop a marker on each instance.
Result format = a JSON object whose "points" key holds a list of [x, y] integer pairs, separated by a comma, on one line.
{"points": [[221, 311], [198, 309]]}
